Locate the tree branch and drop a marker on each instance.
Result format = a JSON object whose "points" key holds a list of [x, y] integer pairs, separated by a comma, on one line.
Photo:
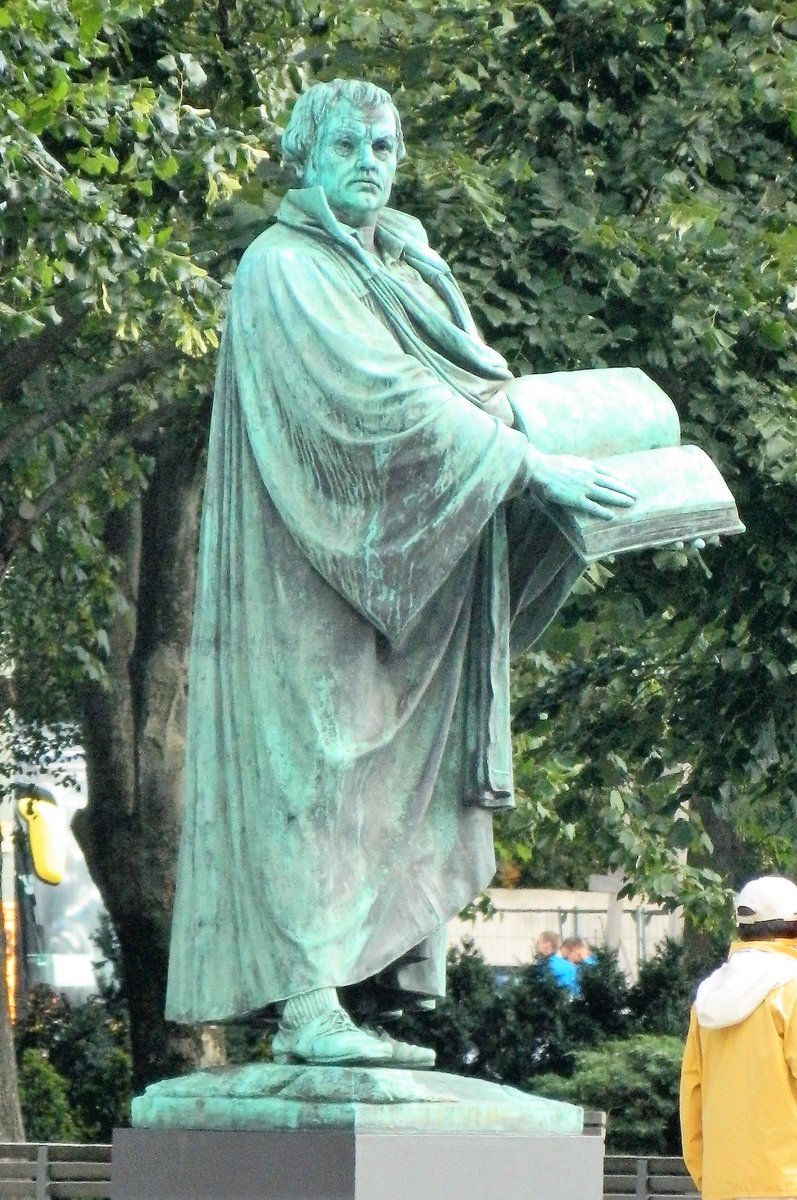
{"points": [[26, 355], [16, 526], [140, 428], [131, 369]]}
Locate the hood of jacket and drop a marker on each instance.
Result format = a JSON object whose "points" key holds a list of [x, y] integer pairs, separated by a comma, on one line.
{"points": [[752, 971]]}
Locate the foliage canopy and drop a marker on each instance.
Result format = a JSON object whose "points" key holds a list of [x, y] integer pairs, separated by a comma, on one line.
{"points": [[612, 181], [624, 191]]}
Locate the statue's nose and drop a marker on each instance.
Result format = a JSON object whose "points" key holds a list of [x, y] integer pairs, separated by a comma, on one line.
{"points": [[367, 158]]}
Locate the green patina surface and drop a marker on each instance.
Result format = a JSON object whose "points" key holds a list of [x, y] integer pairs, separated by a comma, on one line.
{"points": [[262, 1096], [370, 557], [348, 728]]}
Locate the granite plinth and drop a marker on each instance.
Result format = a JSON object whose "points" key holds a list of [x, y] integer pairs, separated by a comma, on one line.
{"points": [[329, 1164], [262, 1096]]}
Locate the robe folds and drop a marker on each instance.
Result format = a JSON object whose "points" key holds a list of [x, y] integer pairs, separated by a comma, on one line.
{"points": [[363, 572]]}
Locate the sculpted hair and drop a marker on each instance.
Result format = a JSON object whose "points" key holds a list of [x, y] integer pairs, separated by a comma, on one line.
{"points": [[314, 106]]}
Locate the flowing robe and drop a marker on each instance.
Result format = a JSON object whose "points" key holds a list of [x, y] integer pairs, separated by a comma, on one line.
{"points": [[362, 572]]}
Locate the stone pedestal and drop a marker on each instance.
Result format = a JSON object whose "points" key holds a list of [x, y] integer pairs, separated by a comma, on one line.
{"points": [[157, 1164], [265, 1132]]}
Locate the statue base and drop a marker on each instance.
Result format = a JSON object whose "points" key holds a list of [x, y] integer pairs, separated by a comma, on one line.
{"points": [[365, 1099], [265, 1132], [329, 1164]]}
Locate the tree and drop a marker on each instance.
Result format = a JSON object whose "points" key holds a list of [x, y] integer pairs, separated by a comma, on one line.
{"points": [[99, 284], [114, 167], [662, 152], [133, 732], [611, 182], [105, 174], [629, 168]]}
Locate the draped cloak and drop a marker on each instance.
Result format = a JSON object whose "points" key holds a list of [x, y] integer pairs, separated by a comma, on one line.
{"points": [[363, 571]]}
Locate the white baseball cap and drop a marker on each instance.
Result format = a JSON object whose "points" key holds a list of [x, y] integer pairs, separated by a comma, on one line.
{"points": [[772, 898]]}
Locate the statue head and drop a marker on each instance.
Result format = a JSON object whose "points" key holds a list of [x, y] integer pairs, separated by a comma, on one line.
{"points": [[346, 137]]}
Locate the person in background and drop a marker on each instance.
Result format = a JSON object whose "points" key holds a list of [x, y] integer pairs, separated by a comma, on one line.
{"points": [[576, 951], [563, 972], [738, 1098]]}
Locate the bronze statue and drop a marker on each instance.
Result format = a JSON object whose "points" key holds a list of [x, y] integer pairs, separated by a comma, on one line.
{"points": [[362, 574]]}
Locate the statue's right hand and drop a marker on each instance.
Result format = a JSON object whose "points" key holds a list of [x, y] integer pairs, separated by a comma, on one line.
{"points": [[578, 483]]}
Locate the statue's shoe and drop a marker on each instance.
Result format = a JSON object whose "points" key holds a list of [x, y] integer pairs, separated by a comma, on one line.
{"points": [[331, 1039], [405, 1054]]}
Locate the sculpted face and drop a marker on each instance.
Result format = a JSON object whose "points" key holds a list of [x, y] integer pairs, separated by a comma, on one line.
{"points": [[354, 161]]}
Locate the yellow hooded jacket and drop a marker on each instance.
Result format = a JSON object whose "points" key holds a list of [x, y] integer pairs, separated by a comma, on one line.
{"points": [[739, 1076]]}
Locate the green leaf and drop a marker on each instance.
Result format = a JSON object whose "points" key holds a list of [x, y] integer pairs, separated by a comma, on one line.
{"points": [[166, 168]]}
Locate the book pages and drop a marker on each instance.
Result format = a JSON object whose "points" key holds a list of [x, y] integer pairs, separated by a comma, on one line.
{"points": [[611, 410]]}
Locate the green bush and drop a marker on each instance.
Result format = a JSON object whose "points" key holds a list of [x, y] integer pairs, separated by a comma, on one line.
{"points": [[461, 1029], [530, 1030], [530, 1026], [603, 1009], [661, 997], [635, 1082], [87, 1044], [44, 1101], [616, 1048], [527, 1027]]}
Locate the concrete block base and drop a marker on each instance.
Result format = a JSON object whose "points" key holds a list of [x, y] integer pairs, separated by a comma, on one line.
{"points": [[174, 1164]]}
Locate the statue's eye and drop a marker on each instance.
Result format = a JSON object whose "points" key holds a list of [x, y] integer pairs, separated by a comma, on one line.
{"points": [[346, 145]]}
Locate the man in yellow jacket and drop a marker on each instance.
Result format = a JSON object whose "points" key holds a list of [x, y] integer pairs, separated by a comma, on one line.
{"points": [[739, 1075]]}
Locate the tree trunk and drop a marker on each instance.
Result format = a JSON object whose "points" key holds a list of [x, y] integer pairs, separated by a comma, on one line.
{"points": [[734, 861], [11, 1128], [134, 741]]}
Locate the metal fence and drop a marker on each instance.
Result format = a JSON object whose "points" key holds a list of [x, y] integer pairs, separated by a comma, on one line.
{"points": [[646, 1179], [507, 937]]}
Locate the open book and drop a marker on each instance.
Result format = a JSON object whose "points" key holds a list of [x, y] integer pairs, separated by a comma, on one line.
{"points": [[621, 419]]}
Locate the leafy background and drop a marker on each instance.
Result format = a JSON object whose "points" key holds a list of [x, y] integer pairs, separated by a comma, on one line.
{"points": [[613, 183]]}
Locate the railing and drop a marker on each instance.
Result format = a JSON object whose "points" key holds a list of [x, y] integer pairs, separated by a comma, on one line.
{"points": [[35, 1171], [38, 1171], [646, 1179]]}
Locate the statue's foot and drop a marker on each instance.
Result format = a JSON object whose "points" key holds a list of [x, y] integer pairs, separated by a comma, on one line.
{"points": [[405, 1054], [331, 1039]]}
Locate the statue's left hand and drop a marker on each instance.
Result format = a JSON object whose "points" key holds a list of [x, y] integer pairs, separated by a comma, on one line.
{"points": [[578, 483]]}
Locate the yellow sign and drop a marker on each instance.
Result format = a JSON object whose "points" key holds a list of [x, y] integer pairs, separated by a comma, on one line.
{"points": [[47, 836]]}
